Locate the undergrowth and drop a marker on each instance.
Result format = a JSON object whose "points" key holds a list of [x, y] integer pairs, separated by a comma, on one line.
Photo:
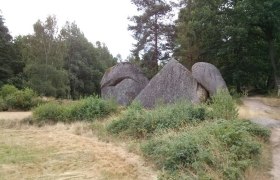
{"points": [[188, 141], [213, 150], [89, 108], [223, 106], [139, 122], [12, 98]]}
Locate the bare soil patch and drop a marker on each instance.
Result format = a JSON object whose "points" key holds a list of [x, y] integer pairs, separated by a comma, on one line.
{"points": [[266, 112], [14, 115]]}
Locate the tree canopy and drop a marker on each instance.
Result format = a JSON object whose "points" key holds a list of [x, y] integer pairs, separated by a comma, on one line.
{"points": [[151, 29], [240, 37], [59, 63], [10, 62]]}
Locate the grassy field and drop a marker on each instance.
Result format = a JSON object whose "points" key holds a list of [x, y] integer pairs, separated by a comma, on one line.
{"points": [[178, 141], [65, 151]]}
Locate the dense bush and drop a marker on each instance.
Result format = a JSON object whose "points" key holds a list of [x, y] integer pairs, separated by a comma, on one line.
{"points": [[91, 108], [86, 109], [7, 90], [223, 106], [224, 147], [138, 122], [12, 98], [3, 105], [22, 99], [50, 111]]}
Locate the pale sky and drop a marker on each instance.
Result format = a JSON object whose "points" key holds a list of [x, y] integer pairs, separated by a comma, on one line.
{"points": [[100, 20]]}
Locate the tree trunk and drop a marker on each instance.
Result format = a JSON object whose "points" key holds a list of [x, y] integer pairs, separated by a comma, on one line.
{"points": [[155, 58], [272, 59]]}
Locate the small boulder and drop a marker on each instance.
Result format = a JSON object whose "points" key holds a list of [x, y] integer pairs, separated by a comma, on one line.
{"points": [[174, 82], [123, 82], [209, 77]]}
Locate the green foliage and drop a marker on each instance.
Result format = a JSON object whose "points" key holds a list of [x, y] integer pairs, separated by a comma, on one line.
{"points": [[89, 108], [3, 105], [12, 98], [50, 111], [223, 106], [44, 55], [62, 63], [84, 62], [152, 32], [23, 99], [10, 62], [138, 122], [7, 89], [239, 37], [224, 147]]}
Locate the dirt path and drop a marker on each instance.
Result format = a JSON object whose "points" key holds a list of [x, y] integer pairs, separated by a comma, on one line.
{"points": [[266, 112], [14, 115], [56, 152]]}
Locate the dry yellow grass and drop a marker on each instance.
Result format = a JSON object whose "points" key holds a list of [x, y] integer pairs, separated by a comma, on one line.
{"points": [[66, 151], [260, 107]]}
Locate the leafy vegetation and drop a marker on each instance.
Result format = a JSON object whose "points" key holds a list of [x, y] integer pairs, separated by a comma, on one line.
{"points": [[190, 142], [240, 37], [187, 142], [89, 108], [152, 30], [213, 150], [61, 64], [223, 106], [139, 123], [12, 98]]}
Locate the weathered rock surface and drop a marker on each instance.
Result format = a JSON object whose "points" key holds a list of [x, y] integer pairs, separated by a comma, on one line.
{"points": [[209, 77], [173, 82], [123, 82]]}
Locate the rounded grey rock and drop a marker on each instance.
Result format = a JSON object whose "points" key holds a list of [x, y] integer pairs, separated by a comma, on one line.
{"points": [[209, 77], [174, 82], [123, 82]]}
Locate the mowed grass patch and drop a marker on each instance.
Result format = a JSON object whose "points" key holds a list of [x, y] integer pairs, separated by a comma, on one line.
{"points": [[15, 154], [13, 150]]}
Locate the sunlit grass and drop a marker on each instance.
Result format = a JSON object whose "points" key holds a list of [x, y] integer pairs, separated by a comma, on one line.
{"points": [[17, 154]]}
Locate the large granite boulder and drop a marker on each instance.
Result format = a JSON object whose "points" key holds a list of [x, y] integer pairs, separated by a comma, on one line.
{"points": [[209, 77], [123, 82], [174, 82]]}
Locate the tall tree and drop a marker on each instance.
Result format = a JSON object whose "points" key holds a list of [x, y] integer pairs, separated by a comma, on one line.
{"points": [[10, 62], [84, 63], [269, 22], [226, 33], [151, 29], [44, 54]]}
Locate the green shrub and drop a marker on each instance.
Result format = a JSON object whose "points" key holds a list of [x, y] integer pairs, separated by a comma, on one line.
{"points": [[7, 90], [49, 111], [91, 108], [138, 122], [12, 98], [174, 153], [86, 109], [3, 105], [224, 147], [22, 99], [223, 106]]}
